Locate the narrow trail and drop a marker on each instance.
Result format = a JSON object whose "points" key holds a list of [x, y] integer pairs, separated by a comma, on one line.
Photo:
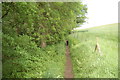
{"points": [[68, 66]]}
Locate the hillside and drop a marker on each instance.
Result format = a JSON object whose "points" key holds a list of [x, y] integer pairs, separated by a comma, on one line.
{"points": [[90, 64]]}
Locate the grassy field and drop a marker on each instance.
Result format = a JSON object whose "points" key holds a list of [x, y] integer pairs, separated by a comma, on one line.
{"points": [[90, 64]]}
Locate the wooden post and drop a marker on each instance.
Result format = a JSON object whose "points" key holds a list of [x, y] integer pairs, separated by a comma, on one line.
{"points": [[97, 46]]}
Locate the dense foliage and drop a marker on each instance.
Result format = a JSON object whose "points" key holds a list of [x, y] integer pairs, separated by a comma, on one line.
{"points": [[32, 37], [23, 59], [47, 23]]}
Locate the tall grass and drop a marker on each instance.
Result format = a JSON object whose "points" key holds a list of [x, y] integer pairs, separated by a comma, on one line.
{"points": [[90, 64]]}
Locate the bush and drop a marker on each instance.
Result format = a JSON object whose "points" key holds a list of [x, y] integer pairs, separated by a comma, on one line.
{"points": [[23, 59]]}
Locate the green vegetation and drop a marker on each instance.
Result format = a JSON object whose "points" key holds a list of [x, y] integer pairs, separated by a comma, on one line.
{"points": [[33, 41], [23, 59], [33, 37], [48, 23], [90, 64]]}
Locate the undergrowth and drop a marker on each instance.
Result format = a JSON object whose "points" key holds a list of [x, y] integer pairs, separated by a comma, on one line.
{"points": [[23, 59]]}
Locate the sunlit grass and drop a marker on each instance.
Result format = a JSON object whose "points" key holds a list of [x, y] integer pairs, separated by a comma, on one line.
{"points": [[90, 64]]}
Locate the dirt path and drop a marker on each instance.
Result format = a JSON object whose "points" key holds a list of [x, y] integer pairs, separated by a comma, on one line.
{"points": [[68, 67]]}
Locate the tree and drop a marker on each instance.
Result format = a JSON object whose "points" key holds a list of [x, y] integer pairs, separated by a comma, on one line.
{"points": [[46, 22]]}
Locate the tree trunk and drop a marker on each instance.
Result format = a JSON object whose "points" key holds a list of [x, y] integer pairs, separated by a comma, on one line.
{"points": [[43, 44]]}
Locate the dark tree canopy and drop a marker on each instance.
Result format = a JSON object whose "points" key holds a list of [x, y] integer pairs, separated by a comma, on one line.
{"points": [[46, 22]]}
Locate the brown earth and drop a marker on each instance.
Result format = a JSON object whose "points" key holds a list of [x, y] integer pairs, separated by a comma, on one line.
{"points": [[68, 66]]}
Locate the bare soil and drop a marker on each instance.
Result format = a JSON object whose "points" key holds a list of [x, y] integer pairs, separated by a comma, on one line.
{"points": [[68, 66]]}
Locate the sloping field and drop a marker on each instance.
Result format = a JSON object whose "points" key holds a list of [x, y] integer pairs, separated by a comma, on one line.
{"points": [[90, 64]]}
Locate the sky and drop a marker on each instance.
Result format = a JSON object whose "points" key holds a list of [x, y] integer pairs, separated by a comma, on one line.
{"points": [[101, 12]]}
